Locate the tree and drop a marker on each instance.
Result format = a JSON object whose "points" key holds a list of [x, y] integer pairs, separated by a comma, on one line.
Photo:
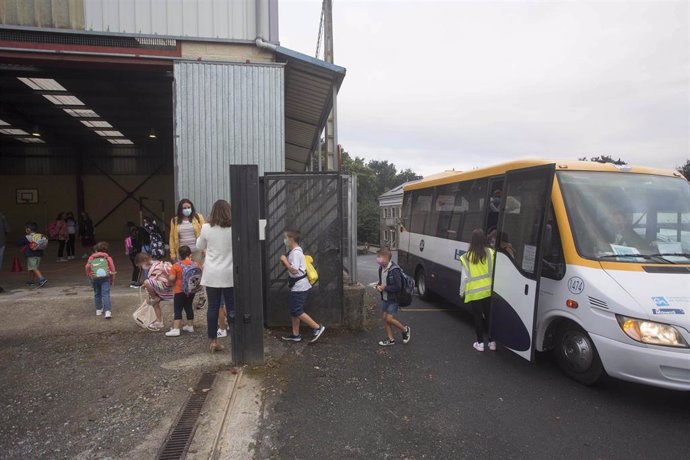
{"points": [[373, 179], [685, 169], [604, 159], [406, 176], [386, 175]]}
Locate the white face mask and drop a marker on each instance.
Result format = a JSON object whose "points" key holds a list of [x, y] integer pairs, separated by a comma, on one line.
{"points": [[187, 212]]}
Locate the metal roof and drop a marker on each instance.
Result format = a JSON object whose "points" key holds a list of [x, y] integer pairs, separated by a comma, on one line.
{"points": [[309, 90], [450, 177]]}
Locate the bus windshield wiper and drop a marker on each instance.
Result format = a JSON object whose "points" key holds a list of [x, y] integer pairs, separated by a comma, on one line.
{"points": [[640, 256], [671, 254], [644, 256]]}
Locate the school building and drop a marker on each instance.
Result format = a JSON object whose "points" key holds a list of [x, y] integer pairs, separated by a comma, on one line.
{"points": [[125, 105]]}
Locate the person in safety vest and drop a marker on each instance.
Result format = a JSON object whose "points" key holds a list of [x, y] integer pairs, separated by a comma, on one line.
{"points": [[475, 285]]}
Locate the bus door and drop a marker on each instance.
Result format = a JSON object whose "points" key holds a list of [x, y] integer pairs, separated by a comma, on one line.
{"points": [[524, 203]]}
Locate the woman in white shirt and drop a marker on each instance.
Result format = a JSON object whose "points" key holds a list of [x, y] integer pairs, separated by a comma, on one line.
{"points": [[217, 277]]}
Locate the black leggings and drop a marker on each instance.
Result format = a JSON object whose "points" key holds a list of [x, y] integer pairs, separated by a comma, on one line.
{"points": [[135, 270], [70, 244], [183, 301], [61, 248], [481, 311]]}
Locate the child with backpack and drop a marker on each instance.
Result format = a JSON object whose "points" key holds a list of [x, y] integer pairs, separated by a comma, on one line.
{"points": [[100, 270], [33, 245], [156, 284], [296, 265], [390, 286], [186, 276]]}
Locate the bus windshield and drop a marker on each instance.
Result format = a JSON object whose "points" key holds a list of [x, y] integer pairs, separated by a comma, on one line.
{"points": [[625, 217]]}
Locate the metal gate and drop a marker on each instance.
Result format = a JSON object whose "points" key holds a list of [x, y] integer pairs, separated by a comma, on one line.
{"points": [[313, 204]]}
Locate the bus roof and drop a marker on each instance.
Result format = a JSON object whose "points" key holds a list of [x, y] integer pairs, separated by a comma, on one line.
{"points": [[450, 177]]}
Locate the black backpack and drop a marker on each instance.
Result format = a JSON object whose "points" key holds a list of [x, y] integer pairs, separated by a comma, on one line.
{"points": [[408, 286]]}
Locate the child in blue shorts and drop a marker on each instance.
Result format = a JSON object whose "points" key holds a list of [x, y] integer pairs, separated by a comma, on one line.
{"points": [[296, 265], [390, 284]]}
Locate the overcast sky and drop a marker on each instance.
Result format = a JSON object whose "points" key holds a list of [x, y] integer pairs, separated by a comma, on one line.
{"points": [[441, 85]]}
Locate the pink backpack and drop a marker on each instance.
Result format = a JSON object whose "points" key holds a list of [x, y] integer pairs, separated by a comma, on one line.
{"points": [[53, 232], [128, 245]]}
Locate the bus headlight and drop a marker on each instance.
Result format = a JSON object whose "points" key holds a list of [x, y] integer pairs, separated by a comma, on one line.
{"points": [[651, 332]]}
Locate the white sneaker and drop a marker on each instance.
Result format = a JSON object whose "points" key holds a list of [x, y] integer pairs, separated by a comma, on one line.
{"points": [[478, 346], [173, 333], [108, 314], [221, 333], [156, 326], [188, 328], [492, 346], [99, 312]]}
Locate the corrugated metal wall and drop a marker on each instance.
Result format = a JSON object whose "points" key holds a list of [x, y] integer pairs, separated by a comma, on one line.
{"points": [[225, 19], [225, 114], [56, 14]]}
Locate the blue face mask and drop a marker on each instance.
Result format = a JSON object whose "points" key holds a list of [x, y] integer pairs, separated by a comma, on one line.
{"points": [[286, 242], [187, 212]]}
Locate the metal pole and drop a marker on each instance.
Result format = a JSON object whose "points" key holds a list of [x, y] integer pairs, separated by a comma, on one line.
{"points": [[353, 229], [332, 123], [163, 224], [248, 320]]}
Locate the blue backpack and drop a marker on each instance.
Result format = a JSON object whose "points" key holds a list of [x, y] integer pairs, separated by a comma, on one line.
{"points": [[191, 278]]}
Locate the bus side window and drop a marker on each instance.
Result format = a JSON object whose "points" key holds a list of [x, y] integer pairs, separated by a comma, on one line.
{"points": [[421, 205], [444, 206], [553, 265]]}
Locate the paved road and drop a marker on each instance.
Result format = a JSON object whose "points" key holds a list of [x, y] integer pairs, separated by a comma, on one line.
{"points": [[437, 398]]}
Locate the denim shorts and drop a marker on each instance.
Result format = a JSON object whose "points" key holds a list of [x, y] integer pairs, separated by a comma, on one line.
{"points": [[296, 301], [390, 307]]}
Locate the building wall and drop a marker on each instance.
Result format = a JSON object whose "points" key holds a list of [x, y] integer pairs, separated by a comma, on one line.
{"points": [[226, 52], [226, 114], [64, 14], [217, 19], [57, 193], [388, 224]]}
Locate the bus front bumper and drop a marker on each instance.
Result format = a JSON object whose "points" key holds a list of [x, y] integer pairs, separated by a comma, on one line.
{"points": [[666, 368]]}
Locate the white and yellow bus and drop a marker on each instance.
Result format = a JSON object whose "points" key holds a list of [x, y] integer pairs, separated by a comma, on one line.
{"points": [[592, 261]]}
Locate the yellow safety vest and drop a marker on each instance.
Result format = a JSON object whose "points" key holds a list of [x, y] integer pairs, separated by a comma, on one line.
{"points": [[479, 277]]}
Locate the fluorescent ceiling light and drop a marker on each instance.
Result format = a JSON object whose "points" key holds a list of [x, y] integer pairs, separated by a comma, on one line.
{"points": [[97, 124], [14, 132], [4, 123], [82, 113], [42, 84], [30, 140], [121, 141], [63, 100], [109, 133]]}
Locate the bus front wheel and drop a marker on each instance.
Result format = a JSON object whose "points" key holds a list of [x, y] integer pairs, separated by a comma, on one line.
{"points": [[420, 280], [576, 354]]}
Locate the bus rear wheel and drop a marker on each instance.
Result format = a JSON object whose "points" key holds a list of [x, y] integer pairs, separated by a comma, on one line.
{"points": [[577, 356], [420, 281]]}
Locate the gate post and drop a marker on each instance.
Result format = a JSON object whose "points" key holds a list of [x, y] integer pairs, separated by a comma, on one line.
{"points": [[248, 321]]}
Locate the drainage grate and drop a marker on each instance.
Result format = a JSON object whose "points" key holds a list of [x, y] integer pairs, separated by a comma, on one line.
{"points": [[180, 436]]}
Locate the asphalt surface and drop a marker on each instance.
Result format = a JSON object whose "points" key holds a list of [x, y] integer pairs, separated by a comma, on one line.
{"points": [[436, 397]]}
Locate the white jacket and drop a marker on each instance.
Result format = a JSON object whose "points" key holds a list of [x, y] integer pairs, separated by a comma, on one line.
{"points": [[217, 242]]}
